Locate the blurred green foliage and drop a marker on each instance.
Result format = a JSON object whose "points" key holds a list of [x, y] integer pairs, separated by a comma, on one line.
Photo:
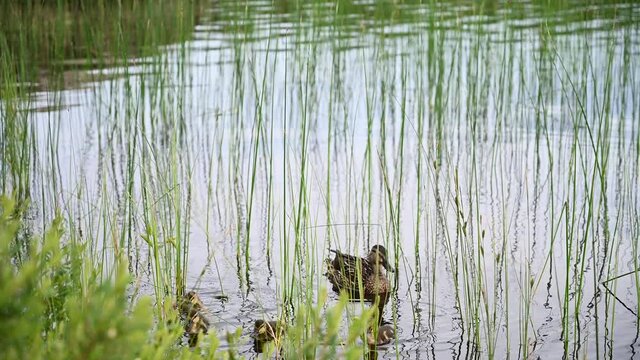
{"points": [[54, 306]]}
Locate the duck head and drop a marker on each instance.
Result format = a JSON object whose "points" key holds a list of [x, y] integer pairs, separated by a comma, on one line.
{"points": [[378, 255]]}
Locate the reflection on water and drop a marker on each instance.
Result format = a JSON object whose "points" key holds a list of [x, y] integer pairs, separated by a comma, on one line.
{"points": [[50, 44], [492, 148]]}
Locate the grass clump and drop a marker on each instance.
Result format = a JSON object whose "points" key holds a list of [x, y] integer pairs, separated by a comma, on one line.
{"points": [[54, 305], [48, 309]]}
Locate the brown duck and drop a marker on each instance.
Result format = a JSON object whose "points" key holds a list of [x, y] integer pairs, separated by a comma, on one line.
{"points": [[268, 330], [350, 273]]}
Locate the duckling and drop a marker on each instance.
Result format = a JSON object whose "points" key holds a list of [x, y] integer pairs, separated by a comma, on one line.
{"points": [[385, 335], [268, 330], [191, 308], [190, 305], [344, 269], [265, 331]]}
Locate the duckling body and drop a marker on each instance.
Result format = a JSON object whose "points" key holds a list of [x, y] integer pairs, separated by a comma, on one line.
{"points": [[196, 324], [385, 335], [268, 330], [190, 304], [191, 309], [345, 271], [265, 331]]}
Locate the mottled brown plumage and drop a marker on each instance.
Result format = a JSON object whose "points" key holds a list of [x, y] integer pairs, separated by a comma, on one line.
{"points": [[266, 331], [190, 304], [191, 309], [345, 272]]}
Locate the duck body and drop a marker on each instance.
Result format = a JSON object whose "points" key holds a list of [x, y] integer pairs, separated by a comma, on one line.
{"points": [[196, 324], [190, 304], [345, 272]]}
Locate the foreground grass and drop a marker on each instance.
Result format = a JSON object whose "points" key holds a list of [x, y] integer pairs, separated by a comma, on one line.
{"points": [[55, 306]]}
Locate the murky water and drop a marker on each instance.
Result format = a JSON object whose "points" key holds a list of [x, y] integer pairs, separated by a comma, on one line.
{"points": [[493, 149]]}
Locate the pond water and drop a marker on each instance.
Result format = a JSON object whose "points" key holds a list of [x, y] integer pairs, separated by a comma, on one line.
{"points": [[493, 148]]}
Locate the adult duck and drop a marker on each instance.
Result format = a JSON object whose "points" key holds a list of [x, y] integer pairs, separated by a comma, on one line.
{"points": [[352, 274]]}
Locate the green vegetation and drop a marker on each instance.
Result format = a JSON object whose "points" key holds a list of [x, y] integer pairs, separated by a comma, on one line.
{"points": [[54, 305], [41, 40]]}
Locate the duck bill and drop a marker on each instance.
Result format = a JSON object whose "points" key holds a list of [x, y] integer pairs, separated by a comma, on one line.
{"points": [[387, 266]]}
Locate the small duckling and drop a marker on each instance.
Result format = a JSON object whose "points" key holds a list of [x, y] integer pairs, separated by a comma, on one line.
{"points": [[190, 304], [268, 330], [265, 331], [191, 308], [386, 334], [198, 323]]}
